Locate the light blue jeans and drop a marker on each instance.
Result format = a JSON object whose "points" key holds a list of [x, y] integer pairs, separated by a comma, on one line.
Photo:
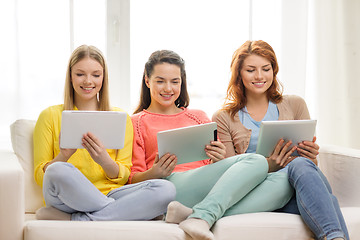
{"points": [[314, 200], [239, 184], [68, 190]]}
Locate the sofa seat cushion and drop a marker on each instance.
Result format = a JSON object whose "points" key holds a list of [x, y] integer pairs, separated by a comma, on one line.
{"points": [[254, 226], [280, 226], [109, 230]]}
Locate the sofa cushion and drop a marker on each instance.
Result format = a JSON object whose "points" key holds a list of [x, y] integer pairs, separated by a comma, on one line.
{"points": [[22, 143], [109, 230]]}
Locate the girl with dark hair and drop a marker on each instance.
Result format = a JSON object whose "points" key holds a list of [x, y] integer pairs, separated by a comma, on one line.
{"points": [[207, 189], [253, 96]]}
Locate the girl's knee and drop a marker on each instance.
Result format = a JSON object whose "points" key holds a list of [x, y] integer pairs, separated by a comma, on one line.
{"points": [[301, 165], [165, 189], [58, 171]]}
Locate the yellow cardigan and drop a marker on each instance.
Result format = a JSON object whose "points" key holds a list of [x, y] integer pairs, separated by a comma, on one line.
{"points": [[46, 148]]}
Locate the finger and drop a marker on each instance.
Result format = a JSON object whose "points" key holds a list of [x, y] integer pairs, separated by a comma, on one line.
{"points": [[313, 149], [214, 155], [162, 159], [218, 144], [171, 166], [169, 161], [285, 149], [278, 147], [287, 157], [156, 158], [306, 154]]}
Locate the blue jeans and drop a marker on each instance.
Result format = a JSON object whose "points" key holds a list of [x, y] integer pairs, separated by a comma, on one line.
{"points": [[68, 190], [314, 200]]}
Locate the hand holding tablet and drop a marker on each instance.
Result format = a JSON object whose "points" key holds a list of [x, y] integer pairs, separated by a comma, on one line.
{"points": [[272, 131]]}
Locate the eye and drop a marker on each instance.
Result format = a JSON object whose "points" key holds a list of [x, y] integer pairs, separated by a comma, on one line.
{"points": [[79, 74], [267, 69], [176, 81], [159, 81], [96, 75], [250, 70]]}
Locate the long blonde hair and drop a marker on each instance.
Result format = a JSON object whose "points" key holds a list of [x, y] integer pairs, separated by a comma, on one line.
{"points": [[78, 54]]}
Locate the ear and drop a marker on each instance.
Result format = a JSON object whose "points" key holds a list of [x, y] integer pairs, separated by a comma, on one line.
{"points": [[147, 81]]}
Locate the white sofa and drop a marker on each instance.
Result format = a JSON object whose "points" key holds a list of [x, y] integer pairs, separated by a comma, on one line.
{"points": [[20, 197]]}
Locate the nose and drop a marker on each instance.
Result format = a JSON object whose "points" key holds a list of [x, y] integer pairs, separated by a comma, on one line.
{"points": [[87, 79], [258, 75], [168, 86]]}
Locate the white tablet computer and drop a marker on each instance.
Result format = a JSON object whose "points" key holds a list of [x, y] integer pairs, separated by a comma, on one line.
{"points": [[108, 126], [272, 131], [187, 143]]}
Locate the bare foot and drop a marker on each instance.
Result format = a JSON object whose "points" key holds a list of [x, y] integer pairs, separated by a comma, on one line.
{"points": [[51, 213], [176, 212], [197, 228]]}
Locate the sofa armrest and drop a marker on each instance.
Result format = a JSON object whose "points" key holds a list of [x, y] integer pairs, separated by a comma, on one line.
{"points": [[341, 166], [12, 206]]}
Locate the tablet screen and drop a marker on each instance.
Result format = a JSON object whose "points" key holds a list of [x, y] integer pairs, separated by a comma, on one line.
{"points": [[188, 143], [272, 131], [108, 126]]}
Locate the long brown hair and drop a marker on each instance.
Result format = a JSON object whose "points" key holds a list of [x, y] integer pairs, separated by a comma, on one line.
{"points": [[77, 55], [236, 96], [158, 57]]}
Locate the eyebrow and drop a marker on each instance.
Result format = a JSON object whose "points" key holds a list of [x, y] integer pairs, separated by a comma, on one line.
{"points": [[177, 78], [261, 66], [80, 70]]}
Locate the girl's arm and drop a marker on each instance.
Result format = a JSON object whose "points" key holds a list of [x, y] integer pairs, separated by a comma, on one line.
{"points": [[223, 129]]}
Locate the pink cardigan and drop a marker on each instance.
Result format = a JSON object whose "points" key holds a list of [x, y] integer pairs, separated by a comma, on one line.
{"points": [[147, 125]]}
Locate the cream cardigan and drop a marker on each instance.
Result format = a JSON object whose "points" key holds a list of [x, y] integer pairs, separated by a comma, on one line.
{"points": [[236, 137]]}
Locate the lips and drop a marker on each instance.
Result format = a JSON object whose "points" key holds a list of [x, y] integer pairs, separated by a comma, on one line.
{"points": [[167, 96], [87, 89], [258, 84]]}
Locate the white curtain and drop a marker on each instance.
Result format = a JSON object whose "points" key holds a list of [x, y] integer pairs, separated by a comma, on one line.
{"points": [[334, 70], [317, 43]]}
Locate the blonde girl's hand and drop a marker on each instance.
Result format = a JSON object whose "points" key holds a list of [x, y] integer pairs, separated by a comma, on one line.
{"points": [[309, 149], [65, 153], [163, 166], [95, 148], [216, 151], [281, 155]]}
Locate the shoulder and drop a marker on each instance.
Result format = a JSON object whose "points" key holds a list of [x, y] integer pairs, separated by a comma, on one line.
{"points": [[293, 106], [221, 114], [52, 111], [117, 109], [196, 113], [294, 101]]}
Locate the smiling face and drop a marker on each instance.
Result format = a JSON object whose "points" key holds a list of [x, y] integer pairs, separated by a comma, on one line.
{"points": [[165, 87], [87, 78], [257, 75]]}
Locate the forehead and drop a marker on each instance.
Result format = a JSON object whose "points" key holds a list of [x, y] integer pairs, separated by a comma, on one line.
{"points": [[166, 69], [256, 60], [87, 63]]}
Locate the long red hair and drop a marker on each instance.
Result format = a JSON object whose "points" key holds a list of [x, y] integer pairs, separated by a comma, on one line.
{"points": [[236, 96]]}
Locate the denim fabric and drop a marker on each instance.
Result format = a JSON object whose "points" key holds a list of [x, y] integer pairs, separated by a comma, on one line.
{"points": [[68, 190], [314, 200]]}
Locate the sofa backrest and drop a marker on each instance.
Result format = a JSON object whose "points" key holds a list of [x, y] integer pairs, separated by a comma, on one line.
{"points": [[22, 143]]}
